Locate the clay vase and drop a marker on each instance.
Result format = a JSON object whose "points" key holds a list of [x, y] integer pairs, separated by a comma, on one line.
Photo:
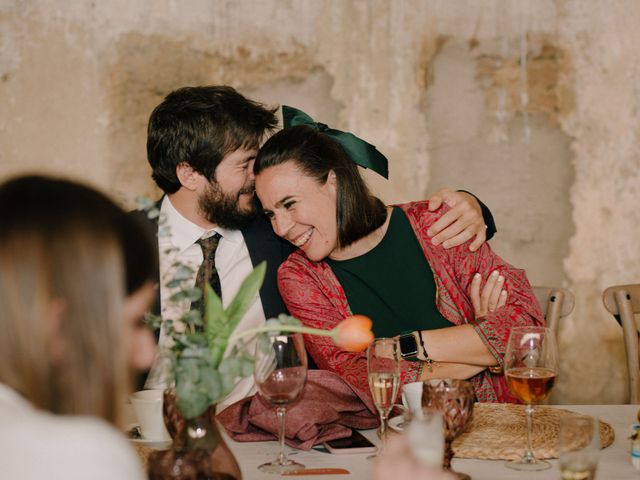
{"points": [[198, 450]]}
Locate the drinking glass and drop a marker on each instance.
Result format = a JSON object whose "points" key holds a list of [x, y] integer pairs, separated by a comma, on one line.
{"points": [[424, 431], [280, 373], [383, 367], [531, 367], [578, 447], [454, 399]]}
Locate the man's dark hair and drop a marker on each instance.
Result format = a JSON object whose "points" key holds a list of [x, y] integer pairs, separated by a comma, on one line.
{"points": [[358, 212], [199, 126]]}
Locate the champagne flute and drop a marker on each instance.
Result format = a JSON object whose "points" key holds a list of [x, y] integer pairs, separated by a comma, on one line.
{"points": [[383, 367], [531, 367], [280, 373]]}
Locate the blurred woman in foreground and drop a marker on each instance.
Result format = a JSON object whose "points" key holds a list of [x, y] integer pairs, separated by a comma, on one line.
{"points": [[75, 281]]}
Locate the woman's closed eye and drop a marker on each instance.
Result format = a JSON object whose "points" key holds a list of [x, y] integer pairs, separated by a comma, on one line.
{"points": [[289, 204]]}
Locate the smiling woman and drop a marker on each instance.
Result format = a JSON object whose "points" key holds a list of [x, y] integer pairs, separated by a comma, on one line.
{"points": [[303, 210], [75, 275], [356, 256]]}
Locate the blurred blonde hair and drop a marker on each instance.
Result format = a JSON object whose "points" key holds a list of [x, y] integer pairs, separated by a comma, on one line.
{"points": [[61, 258]]}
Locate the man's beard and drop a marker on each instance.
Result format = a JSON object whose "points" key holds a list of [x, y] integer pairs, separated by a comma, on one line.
{"points": [[222, 209]]}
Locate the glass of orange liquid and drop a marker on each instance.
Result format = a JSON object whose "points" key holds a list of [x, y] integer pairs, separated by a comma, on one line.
{"points": [[531, 368]]}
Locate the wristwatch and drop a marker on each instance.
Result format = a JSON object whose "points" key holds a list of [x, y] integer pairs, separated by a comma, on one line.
{"points": [[408, 345]]}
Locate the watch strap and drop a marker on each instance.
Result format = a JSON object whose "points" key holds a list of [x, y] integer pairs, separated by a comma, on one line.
{"points": [[428, 361], [424, 349]]}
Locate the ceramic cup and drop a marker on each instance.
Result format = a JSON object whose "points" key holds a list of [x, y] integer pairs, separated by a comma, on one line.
{"points": [[412, 398], [147, 405]]}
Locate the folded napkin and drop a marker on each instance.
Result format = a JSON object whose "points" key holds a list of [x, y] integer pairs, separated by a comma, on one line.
{"points": [[327, 409]]}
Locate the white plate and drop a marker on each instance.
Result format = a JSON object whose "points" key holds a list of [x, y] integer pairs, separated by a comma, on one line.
{"points": [[397, 423]]}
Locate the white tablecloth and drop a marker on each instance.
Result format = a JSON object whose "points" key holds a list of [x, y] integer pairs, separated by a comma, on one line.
{"points": [[615, 462]]}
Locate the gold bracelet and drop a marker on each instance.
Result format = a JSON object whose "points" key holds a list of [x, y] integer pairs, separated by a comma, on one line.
{"points": [[430, 363]]}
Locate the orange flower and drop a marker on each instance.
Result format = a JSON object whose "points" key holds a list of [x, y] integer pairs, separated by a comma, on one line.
{"points": [[353, 333]]}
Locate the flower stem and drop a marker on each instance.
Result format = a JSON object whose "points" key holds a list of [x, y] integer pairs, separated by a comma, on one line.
{"points": [[282, 328]]}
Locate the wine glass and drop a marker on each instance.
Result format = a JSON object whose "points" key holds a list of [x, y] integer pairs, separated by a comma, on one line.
{"points": [[531, 367], [280, 373], [383, 367]]}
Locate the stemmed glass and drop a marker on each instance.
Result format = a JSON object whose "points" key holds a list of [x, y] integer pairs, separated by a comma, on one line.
{"points": [[531, 367], [280, 373], [383, 367]]}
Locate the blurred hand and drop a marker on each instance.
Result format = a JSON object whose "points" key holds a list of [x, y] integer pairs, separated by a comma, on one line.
{"points": [[397, 461], [462, 222], [493, 294]]}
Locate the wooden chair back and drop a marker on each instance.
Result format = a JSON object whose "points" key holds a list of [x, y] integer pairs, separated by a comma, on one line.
{"points": [[623, 302], [555, 303]]}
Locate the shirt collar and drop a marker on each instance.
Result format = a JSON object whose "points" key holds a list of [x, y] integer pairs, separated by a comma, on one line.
{"points": [[184, 233], [234, 236]]}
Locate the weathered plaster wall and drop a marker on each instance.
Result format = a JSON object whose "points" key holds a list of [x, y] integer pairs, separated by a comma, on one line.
{"points": [[423, 80]]}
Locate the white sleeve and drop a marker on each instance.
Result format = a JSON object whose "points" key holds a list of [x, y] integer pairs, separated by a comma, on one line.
{"points": [[71, 448]]}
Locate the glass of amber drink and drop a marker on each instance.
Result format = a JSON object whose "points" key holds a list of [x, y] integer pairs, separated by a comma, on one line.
{"points": [[531, 367]]}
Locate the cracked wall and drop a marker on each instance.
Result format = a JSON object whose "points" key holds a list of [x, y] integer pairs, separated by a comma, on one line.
{"points": [[422, 80]]}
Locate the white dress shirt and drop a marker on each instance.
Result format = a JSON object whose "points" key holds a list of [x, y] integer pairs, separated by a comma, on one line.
{"points": [[176, 242], [35, 444]]}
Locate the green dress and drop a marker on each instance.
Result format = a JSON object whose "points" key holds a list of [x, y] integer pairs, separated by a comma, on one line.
{"points": [[393, 283]]}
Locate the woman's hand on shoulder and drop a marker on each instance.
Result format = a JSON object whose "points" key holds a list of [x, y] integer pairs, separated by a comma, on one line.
{"points": [[492, 297], [462, 222]]}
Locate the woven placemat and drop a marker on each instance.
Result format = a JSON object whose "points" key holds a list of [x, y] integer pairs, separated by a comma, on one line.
{"points": [[498, 432]]}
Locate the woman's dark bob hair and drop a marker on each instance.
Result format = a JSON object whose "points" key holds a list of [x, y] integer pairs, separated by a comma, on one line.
{"points": [[358, 212]]}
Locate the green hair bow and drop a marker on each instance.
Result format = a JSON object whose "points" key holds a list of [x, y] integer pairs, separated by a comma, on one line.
{"points": [[360, 152]]}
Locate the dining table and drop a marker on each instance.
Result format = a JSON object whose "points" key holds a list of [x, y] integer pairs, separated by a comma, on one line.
{"points": [[614, 461]]}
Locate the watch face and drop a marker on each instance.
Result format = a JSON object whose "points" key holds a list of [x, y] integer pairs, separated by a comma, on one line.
{"points": [[408, 345]]}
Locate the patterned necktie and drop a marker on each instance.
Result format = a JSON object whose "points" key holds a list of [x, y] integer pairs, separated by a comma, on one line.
{"points": [[207, 269]]}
